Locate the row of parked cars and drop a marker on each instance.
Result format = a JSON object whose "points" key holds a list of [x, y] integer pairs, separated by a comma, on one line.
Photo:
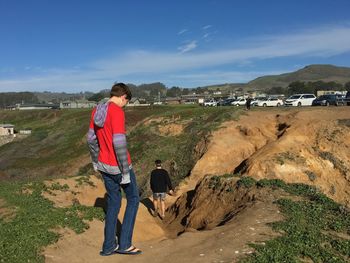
{"points": [[297, 100]]}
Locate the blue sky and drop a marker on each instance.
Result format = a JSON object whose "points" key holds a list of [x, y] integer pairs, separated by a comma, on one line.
{"points": [[73, 46]]}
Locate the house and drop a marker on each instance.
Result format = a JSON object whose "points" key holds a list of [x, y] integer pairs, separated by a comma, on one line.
{"points": [[193, 98], [77, 104], [25, 132], [134, 102], [34, 106], [172, 100], [7, 129]]}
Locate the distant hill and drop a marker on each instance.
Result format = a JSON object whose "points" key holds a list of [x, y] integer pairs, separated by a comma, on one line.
{"points": [[311, 73], [47, 96], [324, 73]]}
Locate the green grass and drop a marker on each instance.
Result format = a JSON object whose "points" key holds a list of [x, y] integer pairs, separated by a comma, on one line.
{"points": [[281, 158], [32, 228], [312, 229], [216, 182], [315, 228], [57, 140]]}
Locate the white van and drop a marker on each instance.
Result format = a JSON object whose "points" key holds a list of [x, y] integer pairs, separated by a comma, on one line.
{"points": [[300, 100]]}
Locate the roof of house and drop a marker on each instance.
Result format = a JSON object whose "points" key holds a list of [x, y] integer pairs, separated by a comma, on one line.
{"points": [[7, 125], [134, 99], [172, 98], [43, 105]]}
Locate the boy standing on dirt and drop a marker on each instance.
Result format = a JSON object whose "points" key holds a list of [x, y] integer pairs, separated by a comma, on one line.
{"points": [[107, 144], [160, 183]]}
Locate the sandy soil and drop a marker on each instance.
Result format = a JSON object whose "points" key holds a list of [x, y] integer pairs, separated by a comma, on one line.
{"points": [[308, 145], [226, 243]]}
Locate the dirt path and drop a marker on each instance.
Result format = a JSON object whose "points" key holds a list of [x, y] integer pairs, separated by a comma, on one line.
{"points": [[223, 244]]}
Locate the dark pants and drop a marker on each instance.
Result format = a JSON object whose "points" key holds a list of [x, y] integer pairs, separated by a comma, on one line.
{"points": [[114, 197]]}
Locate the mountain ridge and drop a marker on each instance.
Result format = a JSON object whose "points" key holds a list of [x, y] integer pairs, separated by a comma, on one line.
{"points": [[309, 73], [315, 72]]}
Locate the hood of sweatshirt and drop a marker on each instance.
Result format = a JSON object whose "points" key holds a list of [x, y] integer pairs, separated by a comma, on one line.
{"points": [[101, 114]]}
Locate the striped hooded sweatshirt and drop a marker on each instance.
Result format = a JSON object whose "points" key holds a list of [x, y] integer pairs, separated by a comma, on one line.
{"points": [[107, 141]]}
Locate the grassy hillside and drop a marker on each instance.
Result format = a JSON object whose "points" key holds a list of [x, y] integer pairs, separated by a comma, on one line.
{"points": [[56, 142], [57, 146], [309, 73]]}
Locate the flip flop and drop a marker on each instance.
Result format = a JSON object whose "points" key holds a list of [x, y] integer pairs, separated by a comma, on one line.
{"points": [[114, 251], [130, 251]]}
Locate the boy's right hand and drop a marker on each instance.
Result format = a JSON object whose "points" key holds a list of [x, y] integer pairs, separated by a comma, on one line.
{"points": [[94, 165]]}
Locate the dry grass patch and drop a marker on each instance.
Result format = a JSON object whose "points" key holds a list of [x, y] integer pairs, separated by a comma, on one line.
{"points": [[6, 213]]}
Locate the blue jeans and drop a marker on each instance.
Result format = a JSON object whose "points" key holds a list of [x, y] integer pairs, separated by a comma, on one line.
{"points": [[114, 197]]}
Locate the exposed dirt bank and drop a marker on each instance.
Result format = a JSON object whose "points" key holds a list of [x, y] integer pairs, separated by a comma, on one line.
{"points": [[310, 146]]}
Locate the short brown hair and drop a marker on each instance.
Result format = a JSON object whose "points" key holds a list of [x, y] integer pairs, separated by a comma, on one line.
{"points": [[120, 89], [158, 163]]}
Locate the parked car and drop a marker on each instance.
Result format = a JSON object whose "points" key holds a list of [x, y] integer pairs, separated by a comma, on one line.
{"points": [[226, 102], [270, 102], [329, 99], [256, 100], [300, 100], [239, 102], [347, 98], [210, 103]]}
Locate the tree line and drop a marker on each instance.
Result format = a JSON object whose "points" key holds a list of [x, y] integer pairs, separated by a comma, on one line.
{"points": [[153, 91], [12, 98]]}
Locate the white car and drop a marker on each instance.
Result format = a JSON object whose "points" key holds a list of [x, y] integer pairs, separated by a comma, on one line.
{"points": [[300, 100], [270, 102], [211, 102], [239, 102], [256, 100]]}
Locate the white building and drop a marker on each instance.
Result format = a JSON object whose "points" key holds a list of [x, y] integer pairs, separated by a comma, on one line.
{"points": [[77, 104], [7, 129], [33, 107]]}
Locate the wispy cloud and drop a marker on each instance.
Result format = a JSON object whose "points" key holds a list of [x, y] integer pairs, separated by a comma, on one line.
{"points": [[316, 42], [182, 31], [206, 27], [188, 47], [207, 32], [206, 35]]}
